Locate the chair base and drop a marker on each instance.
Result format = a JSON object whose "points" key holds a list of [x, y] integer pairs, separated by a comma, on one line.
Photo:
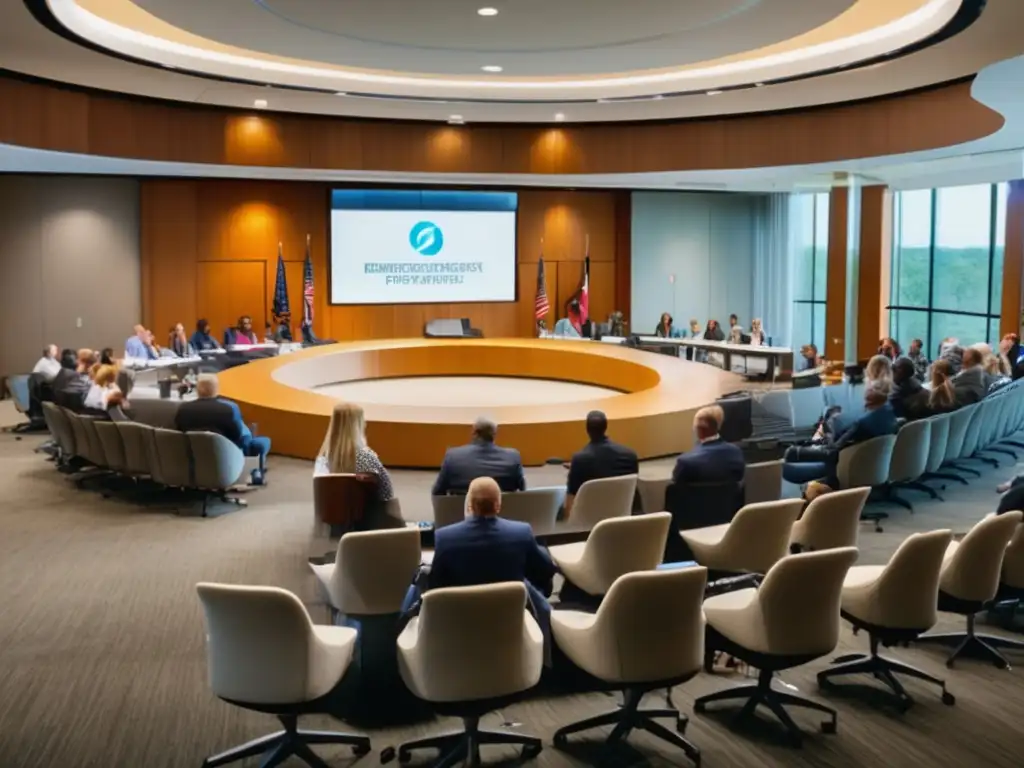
{"points": [[969, 643], [874, 516], [763, 693], [463, 746], [630, 717], [884, 670], [944, 476], [291, 742], [222, 496], [917, 485]]}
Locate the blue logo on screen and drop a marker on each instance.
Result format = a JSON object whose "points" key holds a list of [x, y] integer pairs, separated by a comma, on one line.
{"points": [[426, 238]]}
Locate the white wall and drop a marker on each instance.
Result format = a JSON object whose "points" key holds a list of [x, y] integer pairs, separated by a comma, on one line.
{"points": [[707, 241], [69, 265]]}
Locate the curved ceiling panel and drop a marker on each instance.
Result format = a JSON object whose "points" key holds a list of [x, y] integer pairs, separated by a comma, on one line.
{"points": [[748, 42]]}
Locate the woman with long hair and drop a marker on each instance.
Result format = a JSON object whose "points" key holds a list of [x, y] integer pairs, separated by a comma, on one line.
{"points": [[664, 329], [180, 343], [879, 370], [758, 338], [345, 451], [941, 397], [104, 378], [713, 331]]}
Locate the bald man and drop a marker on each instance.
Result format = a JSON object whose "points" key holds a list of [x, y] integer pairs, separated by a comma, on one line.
{"points": [[481, 458], [711, 460], [486, 549]]}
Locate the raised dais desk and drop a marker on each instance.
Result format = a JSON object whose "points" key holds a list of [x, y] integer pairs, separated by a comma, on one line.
{"points": [[780, 359]]}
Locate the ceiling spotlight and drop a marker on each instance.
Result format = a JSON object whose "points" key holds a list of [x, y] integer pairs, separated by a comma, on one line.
{"points": [[713, 93], [491, 68], [455, 119], [559, 117], [260, 103], [487, 11]]}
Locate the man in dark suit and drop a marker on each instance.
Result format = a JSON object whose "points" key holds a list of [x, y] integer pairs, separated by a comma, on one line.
{"points": [[210, 413], [599, 458], [481, 458], [909, 400], [712, 460]]}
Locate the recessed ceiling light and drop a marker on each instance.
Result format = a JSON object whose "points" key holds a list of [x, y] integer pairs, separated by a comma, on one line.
{"points": [[559, 117], [487, 11], [455, 119], [713, 93], [260, 103], [491, 68]]}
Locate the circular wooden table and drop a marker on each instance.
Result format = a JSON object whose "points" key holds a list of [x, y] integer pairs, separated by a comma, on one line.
{"points": [[653, 414]]}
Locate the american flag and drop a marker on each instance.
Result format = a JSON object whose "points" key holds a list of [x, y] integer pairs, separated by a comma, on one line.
{"points": [[541, 305], [307, 290]]}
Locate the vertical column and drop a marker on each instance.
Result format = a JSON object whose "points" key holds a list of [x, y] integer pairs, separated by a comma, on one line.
{"points": [[835, 295], [875, 268], [1013, 261]]}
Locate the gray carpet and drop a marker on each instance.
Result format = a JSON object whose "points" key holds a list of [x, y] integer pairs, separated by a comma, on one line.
{"points": [[102, 660]]}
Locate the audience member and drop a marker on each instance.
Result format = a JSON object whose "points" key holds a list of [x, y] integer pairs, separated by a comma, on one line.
{"points": [[570, 325], [712, 460], [179, 343], [818, 462], [951, 351], [809, 356], [70, 386], [140, 346], [971, 384], [117, 404], [211, 413], [713, 331], [879, 371], [889, 348], [758, 337], [202, 340], [107, 356], [941, 397], [1009, 347], [917, 356], [241, 334], [480, 458], [48, 366], [909, 399], [600, 458], [665, 329], [103, 385], [345, 451]]}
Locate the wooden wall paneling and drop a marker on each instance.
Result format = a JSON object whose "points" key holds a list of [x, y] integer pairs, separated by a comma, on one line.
{"points": [[569, 275], [47, 118], [1010, 320], [564, 219], [226, 290], [875, 269], [838, 242], [268, 140], [602, 289], [169, 239], [624, 253]]}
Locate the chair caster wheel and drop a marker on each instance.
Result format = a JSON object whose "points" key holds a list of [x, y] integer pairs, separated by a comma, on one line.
{"points": [[681, 724], [560, 740], [950, 662], [531, 751], [699, 706], [829, 726], [879, 529], [948, 698], [387, 755], [362, 749]]}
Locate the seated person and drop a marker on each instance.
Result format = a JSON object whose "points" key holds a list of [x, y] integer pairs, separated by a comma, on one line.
{"points": [[758, 337], [480, 458], [345, 452], [570, 325], [617, 324], [283, 329], [712, 459], [951, 351], [941, 397], [179, 343], [879, 370], [971, 384], [107, 356], [117, 407], [713, 331], [211, 413], [809, 359], [202, 340], [241, 334], [665, 329], [599, 458], [917, 356], [909, 399], [72, 383], [103, 386], [48, 366], [818, 462], [140, 346]]}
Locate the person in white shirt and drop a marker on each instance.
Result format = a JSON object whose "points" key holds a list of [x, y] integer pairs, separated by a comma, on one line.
{"points": [[758, 338], [103, 386], [49, 364]]}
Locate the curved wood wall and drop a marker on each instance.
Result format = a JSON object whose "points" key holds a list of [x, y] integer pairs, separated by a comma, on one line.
{"points": [[57, 118]]}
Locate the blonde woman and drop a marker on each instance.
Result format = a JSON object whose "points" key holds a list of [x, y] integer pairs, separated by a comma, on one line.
{"points": [[758, 338], [345, 450], [103, 386], [879, 370]]}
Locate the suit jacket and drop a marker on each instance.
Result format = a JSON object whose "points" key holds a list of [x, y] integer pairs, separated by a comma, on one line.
{"points": [[70, 388], [971, 385], [715, 461], [466, 463], [600, 458], [214, 415], [489, 550], [881, 421], [909, 400]]}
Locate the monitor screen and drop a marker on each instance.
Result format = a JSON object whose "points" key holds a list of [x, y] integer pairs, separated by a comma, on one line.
{"points": [[393, 246]]}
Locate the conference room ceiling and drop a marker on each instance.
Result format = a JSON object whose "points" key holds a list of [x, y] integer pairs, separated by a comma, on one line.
{"points": [[570, 60]]}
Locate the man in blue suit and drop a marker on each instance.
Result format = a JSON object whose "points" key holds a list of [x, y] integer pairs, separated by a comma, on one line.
{"points": [[712, 460], [481, 458], [210, 413]]}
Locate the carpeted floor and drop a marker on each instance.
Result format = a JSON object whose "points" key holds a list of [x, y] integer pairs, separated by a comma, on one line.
{"points": [[102, 661]]}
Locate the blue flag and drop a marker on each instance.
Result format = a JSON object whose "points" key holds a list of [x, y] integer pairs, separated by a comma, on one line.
{"points": [[281, 305]]}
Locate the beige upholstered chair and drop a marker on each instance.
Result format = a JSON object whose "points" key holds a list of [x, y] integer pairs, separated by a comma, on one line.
{"points": [[762, 482], [1011, 582], [137, 446], [969, 581], [371, 572], [601, 499], [910, 461], [652, 493], [112, 445], [173, 453], [537, 506], [791, 619], [866, 465], [448, 510], [831, 520], [893, 603], [635, 644], [613, 548], [265, 654], [470, 651], [753, 542], [218, 465]]}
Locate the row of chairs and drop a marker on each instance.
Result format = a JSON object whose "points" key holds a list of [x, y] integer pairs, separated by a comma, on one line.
{"points": [[196, 461], [940, 447]]}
